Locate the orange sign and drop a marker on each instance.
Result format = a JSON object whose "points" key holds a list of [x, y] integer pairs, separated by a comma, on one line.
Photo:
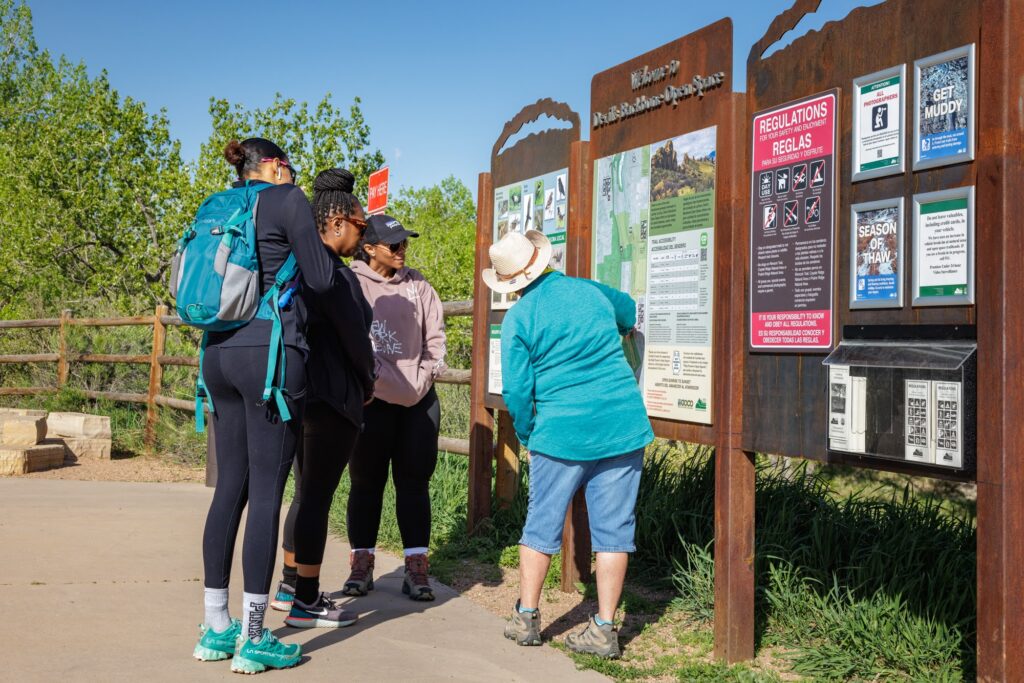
{"points": [[377, 199]]}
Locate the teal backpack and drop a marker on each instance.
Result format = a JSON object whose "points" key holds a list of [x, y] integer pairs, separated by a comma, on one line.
{"points": [[215, 281]]}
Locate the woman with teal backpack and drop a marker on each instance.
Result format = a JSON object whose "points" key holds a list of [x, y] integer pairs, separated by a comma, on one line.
{"points": [[256, 436]]}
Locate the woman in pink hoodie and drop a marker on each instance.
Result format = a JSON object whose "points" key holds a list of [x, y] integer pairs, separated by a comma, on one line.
{"points": [[401, 424]]}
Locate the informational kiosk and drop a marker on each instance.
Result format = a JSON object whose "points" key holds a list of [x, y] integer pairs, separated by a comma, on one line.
{"points": [[884, 319]]}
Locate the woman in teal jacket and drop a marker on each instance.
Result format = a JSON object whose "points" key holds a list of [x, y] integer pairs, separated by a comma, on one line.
{"points": [[576, 407]]}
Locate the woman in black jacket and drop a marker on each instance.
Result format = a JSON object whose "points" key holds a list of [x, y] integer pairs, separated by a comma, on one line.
{"points": [[340, 369], [255, 446]]}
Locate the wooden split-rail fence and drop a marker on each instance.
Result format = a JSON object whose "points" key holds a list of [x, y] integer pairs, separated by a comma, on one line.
{"points": [[156, 359]]}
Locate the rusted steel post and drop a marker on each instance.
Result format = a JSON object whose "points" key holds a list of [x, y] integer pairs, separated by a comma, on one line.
{"points": [[576, 546], [1000, 177], [734, 467], [507, 466], [481, 420]]}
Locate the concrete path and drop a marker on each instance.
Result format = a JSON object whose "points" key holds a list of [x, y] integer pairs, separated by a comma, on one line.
{"points": [[101, 581]]}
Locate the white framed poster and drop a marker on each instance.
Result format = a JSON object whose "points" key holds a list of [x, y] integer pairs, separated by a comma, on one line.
{"points": [[878, 124], [944, 247], [944, 108], [876, 252]]}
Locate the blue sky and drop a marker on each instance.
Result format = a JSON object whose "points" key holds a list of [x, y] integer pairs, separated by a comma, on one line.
{"points": [[438, 80]]}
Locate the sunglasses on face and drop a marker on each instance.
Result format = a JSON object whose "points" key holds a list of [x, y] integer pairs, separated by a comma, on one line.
{"points": [[396, 248], [358, 223], [282, 162]]}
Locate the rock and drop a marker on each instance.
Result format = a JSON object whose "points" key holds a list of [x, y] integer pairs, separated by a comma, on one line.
{"points": [[79, 425], [24, 412], [82, 447], [22, 430], [16, 460]]}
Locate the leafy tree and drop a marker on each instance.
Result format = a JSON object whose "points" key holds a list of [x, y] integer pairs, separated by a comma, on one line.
{"points": [[91, 181], [315, 139], [445, 216], [94, 188]]}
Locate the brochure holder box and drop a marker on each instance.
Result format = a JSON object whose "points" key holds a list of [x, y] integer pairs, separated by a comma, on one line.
{"points": [[903, 398]]}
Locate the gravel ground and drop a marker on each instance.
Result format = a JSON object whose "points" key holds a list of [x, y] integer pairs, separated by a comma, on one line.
{"points": [[137, 468]]}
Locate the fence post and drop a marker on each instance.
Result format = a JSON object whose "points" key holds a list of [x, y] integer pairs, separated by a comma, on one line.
{"points": [[507, 453], [156, 375], [62, 349]]}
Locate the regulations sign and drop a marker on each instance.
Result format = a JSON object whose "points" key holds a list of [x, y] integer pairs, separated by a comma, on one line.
{"points": [[377, 193], [792, 225]]}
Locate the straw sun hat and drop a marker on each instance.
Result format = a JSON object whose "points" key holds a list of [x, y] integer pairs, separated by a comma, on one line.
{"points": [[517, 259]]}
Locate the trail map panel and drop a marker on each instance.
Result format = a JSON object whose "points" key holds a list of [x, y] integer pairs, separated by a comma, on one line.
{"points": [[654, 220]]}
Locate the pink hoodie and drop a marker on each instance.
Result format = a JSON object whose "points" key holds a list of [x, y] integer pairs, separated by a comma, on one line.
{"points": [[407, 333]]}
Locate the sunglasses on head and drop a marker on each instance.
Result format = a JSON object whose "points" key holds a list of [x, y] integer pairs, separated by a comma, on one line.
{"points": [[283, 162]]}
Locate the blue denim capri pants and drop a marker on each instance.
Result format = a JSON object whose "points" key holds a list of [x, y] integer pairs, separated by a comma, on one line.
{"points": [[611, 489]]}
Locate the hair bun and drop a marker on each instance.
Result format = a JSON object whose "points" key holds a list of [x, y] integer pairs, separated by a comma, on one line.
{"points": [[336, 179], [234, 152]]}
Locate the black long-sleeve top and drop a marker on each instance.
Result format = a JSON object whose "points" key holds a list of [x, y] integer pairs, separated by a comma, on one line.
{"points": [[284, 224], [340, 367]]}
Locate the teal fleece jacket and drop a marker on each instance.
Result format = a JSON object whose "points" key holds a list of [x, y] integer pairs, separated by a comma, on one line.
{"points": [[565, 378]]}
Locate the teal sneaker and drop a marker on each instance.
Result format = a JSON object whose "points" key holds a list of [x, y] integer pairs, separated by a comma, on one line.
{"points": [[284, 598], [213, 646], [268, 652]]}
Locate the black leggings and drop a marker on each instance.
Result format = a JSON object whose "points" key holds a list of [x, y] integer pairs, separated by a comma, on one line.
{"points": [[405, 438], [254, 452], [327, 442]]}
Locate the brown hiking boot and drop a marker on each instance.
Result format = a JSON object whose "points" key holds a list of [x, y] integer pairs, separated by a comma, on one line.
{"points": [[595, 639], [416, 584], [523, 627], [360, 579]]}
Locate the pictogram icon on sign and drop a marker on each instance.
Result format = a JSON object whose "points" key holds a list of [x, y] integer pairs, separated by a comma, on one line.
{"points": [[812, 209], [799, 177], [782, 181], [790, 214], [765, 183], [818, 173], [770, 217]]}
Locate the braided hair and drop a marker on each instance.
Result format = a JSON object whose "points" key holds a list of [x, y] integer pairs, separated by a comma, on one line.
{"points": [[332, 193], [246, 155]]}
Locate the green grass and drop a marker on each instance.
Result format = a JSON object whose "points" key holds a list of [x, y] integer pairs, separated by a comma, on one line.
{"points": [[856, 587]]}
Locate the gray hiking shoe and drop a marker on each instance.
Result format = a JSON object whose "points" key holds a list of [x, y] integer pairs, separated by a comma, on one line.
{"points": [[595, 639], [523, 627], [416, 584], [323, 613], [360, 579]]}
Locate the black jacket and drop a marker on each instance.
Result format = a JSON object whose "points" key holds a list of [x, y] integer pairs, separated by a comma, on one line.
{"points": [[340, 368]]}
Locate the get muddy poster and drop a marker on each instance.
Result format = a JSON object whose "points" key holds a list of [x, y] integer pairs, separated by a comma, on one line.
{"points": [[792, 225], [944, 108]]}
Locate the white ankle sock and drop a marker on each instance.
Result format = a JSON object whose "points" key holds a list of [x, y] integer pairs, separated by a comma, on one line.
{"points": [[369, 550], [415, 551], [215, 602], [254, 607]]}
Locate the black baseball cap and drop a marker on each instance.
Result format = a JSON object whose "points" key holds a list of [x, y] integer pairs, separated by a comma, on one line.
{"points": [[382, 229]]}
